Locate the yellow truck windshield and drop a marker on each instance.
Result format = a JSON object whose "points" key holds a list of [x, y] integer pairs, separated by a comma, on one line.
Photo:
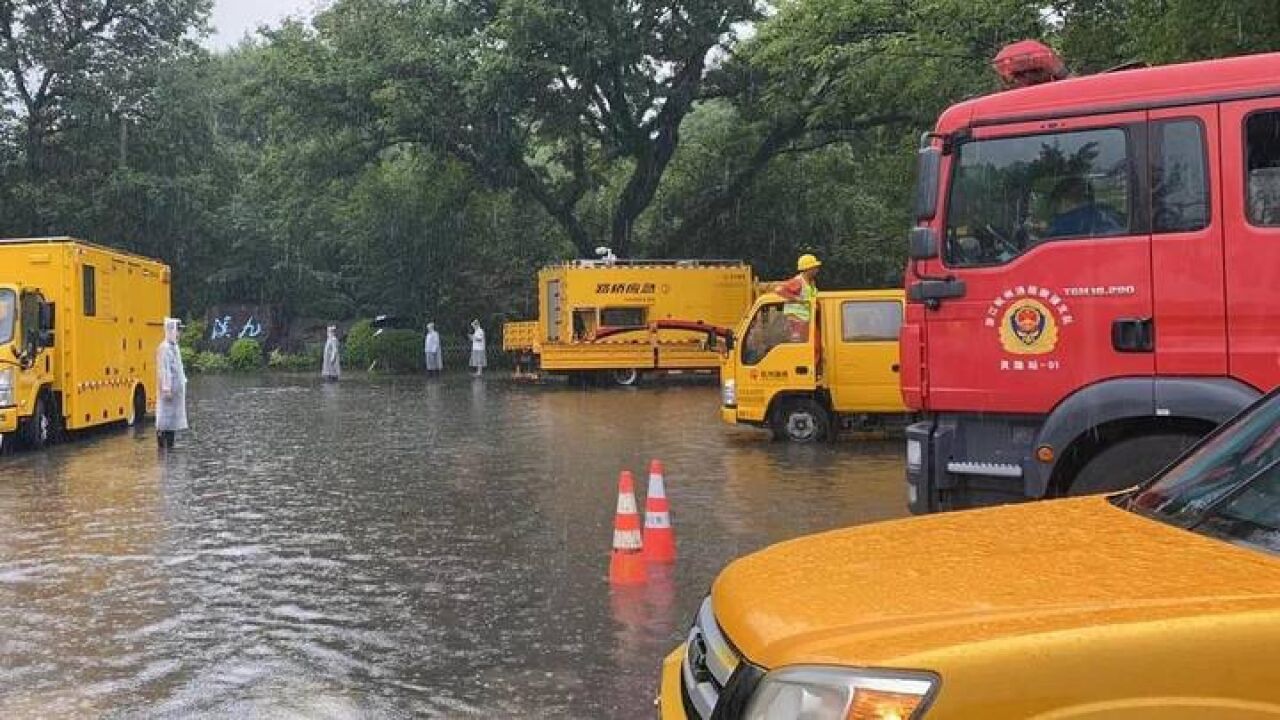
{"points": [[8, 303]]}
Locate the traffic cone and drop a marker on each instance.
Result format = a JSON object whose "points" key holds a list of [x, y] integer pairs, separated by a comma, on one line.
{"points": [[659, 536], [626, 564]]}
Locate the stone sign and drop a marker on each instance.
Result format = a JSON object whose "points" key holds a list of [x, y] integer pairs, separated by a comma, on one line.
{"points": [[227, 323]]}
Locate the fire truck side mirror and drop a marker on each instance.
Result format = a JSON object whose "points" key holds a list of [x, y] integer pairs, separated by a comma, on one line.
{"points": [[928, 169], [922, 244]]}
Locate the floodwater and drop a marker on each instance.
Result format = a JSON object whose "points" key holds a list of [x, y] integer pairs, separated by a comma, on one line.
{"points": [[387, 548]]}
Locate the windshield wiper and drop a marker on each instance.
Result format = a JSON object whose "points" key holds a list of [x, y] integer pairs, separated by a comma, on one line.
{"points": [[1231, 494]]}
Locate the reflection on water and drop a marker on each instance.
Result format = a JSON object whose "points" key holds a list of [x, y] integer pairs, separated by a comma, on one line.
{"points": [[387, 548]]}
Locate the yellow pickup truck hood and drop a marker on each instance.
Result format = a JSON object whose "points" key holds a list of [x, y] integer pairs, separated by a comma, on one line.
{"points": [[893, 593]]}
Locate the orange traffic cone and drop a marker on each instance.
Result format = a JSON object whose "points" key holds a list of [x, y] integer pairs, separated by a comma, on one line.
{"points": [[626, 564], [659, 536]]}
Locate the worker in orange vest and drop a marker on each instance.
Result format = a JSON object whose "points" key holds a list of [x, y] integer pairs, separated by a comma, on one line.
{"points": [[800, 292]]}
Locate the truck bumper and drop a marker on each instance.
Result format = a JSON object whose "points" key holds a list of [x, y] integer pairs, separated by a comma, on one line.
{"points": [[8, 420], [922, 475], [958, 461], [670, 703], [729, 414]]}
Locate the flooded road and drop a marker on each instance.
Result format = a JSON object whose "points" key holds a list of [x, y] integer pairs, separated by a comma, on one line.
{"points": [[387, 548]]}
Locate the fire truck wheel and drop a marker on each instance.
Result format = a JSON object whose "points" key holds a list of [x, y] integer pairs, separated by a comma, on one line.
{"points": [[800, 420], [38, 430], [1129, 462], [626, 377]]}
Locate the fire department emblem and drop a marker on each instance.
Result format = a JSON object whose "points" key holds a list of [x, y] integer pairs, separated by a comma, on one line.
{"points": [[1027, 327]]}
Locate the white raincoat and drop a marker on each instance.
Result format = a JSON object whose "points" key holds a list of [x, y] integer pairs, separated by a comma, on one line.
{"points": [[171, 382], [332, 367], [478, 359], [435, 361]]}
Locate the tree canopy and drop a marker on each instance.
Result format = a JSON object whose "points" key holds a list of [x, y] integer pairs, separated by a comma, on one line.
{"points": [[424, 157]]}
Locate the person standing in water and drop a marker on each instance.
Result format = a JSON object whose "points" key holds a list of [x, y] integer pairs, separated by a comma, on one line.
{"points": [[332, 367], [171, 379], [478, 360], [435, 361]]}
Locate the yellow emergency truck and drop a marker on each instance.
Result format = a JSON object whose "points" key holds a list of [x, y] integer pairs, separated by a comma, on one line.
{"points": [[79, 326], [620, 319], [803, 385]]}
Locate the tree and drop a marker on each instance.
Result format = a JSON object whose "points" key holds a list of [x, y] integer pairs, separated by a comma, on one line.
{"points": [[824, 73], [53, 53], [547, 96], [1097, 34]]}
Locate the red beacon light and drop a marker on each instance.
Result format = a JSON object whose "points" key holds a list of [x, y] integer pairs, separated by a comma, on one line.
{"points": [[1028, 62]]}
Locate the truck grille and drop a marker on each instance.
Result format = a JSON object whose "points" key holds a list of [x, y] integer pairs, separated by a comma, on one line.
{"points": [[709, 664]]}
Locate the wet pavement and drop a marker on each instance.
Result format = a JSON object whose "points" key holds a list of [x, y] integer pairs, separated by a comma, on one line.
{"points": [[387, 548]]}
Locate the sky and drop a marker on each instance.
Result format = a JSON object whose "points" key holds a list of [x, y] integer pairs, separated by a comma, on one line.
{"points": [[233, 18]]}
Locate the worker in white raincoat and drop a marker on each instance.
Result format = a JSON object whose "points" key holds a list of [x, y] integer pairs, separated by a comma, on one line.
{"points": [[435, 360], [171, 380], [332, 367], [478, 360]]}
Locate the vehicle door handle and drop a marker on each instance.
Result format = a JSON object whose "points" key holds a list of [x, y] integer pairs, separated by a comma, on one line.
{"points": [[802, 370], [895, 367], [1133, 335]]}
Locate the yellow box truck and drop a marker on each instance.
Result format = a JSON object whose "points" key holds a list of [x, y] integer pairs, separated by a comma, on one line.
{"points": [[79, 326], [804, 382], [620, 319]]}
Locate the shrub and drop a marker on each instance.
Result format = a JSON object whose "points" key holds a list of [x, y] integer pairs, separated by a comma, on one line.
{"points": [[210, 362], [189, 357], [357, 352], [398, 351], [192, 335], [293, 363], [245, 354]]}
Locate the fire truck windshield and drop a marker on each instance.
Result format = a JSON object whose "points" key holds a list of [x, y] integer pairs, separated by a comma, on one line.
{"points": [[1010, 194]]}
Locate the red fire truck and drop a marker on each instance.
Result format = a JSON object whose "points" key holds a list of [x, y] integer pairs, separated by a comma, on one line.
{"points": [[1093, 276]]}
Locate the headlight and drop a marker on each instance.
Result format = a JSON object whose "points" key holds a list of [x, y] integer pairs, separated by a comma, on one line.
{"points": [[6, 387], [830, 693], [915, 454], [729, 393]]}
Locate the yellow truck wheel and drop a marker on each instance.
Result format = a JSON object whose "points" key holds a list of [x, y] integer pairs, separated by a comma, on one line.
{"points": [[37, 431], [800, 420], [626, 377], [138, 410]]}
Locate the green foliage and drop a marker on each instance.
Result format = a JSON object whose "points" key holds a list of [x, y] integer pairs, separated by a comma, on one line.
{"points": [[210, 362], [357, 352], [192, 336], [190, 357], [398, 351], [245, 354], [301, 362], [423, 159]]}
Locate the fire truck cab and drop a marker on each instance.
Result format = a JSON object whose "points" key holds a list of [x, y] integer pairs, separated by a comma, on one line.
{"points": [[1091, 281]]}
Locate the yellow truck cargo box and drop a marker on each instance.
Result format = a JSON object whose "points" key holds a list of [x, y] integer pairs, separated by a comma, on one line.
{"points": [[622, 318], [79, 327]]}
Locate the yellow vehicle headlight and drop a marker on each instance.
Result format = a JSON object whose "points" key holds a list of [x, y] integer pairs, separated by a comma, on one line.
{"points": [[6, 387], [832, 693]]}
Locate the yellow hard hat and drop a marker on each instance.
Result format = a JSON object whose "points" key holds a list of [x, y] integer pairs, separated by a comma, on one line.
{"points": [[807, 262]]}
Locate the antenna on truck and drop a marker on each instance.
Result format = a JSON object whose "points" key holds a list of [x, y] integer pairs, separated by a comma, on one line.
{"points": [[606, 255]]}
